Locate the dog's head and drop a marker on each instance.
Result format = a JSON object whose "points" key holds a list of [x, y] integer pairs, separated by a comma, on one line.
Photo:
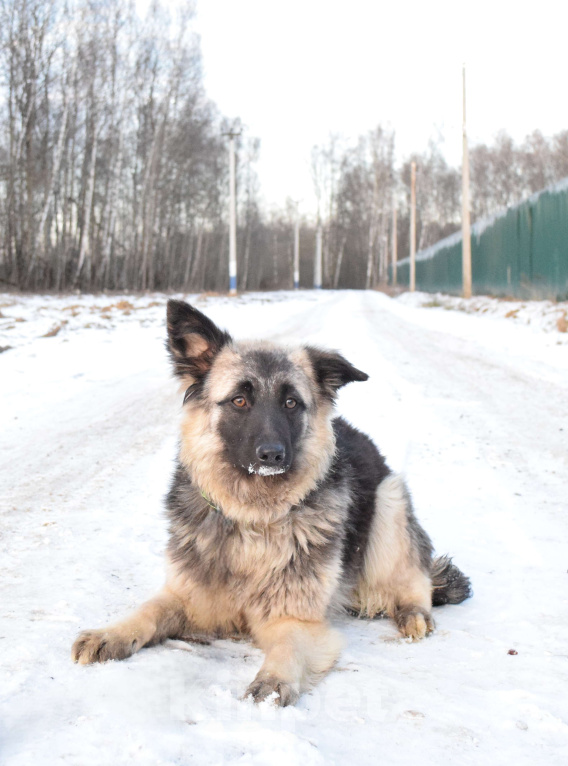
{"points": [[262, 412]]}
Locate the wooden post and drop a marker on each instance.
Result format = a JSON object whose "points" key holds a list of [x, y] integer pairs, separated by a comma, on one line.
{"points": [[394, 246], [413, 227], [466, 228]]}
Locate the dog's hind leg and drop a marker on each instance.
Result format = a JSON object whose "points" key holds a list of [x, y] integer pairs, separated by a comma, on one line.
{"points": [[396, 574], [161, 617], [298, 652]]}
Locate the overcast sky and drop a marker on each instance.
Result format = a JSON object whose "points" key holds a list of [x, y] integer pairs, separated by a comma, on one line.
{"points": [[296, 71]]}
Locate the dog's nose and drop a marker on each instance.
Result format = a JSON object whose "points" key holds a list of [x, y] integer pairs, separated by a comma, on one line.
{"points": [[271, 453]]}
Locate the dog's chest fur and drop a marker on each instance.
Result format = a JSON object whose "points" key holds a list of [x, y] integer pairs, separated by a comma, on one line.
{"points": [[289, 567]]}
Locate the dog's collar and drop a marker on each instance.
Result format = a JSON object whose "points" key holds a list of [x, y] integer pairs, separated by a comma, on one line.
{"points": [[210, 503], [227, 522]]}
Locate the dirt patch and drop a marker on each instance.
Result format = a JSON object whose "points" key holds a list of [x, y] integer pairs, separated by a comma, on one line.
{"points": [[54, 330], [123, 305], [75, 309], [208, 294]]}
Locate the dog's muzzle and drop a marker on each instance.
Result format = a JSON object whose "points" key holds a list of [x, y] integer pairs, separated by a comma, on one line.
{"points": [[270, 459]]}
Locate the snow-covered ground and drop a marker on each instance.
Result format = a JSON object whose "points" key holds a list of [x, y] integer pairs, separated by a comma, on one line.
{"points": [[550, 316], [473, 406]]}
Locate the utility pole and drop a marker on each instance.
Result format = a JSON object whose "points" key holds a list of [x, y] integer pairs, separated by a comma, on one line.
{"points": [[317, 263], [466, 227], [413, 227], [394, 246], [232, 214], [297, 246]]}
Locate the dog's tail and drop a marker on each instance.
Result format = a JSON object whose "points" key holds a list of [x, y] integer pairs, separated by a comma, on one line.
{"points": [[449, 584]]}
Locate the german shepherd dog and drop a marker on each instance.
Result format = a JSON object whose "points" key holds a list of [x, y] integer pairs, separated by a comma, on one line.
{"points": [[281, 514]]}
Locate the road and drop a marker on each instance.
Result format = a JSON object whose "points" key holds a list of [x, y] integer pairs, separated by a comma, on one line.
{"points": [[474, 411]]}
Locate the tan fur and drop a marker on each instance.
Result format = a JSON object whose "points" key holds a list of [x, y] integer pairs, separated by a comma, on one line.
{"points": [[297, 653], [186, 606], [195, 345], [208, 609], [161, 616], [223, 610], [392, 579], [256, 554]]}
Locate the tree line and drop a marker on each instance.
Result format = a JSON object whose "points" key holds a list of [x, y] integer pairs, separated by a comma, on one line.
{"points": [[113, 164], [114, 167], [358, 187]]}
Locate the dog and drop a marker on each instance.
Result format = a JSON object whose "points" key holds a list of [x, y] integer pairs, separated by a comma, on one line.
{"points": [[281, 514]]}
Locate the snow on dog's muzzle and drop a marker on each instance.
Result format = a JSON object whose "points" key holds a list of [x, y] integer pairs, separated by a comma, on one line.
{"points": [[271, 459], [267, 470]]}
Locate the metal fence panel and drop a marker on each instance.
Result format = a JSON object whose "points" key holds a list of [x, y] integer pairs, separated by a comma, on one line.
{"points": [[522, 252]]}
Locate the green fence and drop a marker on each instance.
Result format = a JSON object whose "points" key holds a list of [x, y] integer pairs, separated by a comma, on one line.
{"points": [[522, 252]]}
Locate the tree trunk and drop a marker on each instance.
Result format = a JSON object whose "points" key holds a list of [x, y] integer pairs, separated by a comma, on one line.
{"points": [[40, 237], [338, 265], [85, 228]]}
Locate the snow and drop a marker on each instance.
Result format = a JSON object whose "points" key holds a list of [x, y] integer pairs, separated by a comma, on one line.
{"points": [[542, 315], [472, 405], [265, 470]]}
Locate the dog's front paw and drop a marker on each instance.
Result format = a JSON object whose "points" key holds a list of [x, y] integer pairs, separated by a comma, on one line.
{"points": [[263, 686], [415, 623], [101, 645]]}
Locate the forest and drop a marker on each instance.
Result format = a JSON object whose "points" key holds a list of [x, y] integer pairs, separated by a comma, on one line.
{"points": [[114, 168]]}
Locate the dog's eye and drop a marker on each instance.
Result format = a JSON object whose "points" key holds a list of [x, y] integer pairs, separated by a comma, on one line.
{"points": [[291, 403], [239, 401]]}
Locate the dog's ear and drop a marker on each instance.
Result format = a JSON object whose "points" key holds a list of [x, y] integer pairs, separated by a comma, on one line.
{"points": [[332, 371], [193, 340]]}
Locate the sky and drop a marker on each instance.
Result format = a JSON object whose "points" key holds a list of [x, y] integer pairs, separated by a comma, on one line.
{"points": [[296, 72]]}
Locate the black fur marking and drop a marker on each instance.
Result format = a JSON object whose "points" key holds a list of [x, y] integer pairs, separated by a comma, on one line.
{"points": [[245, 430], [190, 516], [449, 584], [265, 420], [359, 462], [184, 321], [268, 363], [333, 371]]}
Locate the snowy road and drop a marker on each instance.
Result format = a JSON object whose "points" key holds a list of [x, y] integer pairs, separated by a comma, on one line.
{"points": [[473, 409]]}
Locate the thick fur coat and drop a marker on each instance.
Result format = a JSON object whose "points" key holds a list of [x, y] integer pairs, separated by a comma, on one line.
{"points": [[281, 514]]}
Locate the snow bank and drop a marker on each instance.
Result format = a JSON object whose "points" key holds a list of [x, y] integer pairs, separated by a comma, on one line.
{"points": [[541, 316]]}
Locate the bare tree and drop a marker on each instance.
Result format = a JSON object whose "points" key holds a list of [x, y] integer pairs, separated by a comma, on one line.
{"points": [[113, 169]]}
